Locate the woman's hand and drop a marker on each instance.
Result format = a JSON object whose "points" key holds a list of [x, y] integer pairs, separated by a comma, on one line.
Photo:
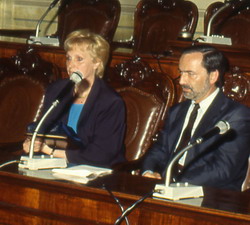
{"points": [[26, 145], [39, 146]]}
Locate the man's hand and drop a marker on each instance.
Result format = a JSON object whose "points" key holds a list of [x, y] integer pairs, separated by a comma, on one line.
{"points": [[152, 175]]}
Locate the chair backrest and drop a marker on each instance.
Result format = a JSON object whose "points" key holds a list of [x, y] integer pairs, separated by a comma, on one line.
{"points": [[23, 79], [99, 16], [237, 86], [233, 20], [147, 96], [156, 22], [142, 112]]}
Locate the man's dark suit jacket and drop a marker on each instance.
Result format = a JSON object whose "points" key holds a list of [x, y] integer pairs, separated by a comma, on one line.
{"points": [[101, 124], [220, 161]]}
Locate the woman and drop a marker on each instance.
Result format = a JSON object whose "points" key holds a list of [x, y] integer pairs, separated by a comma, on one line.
{"points": [[94, 111]]}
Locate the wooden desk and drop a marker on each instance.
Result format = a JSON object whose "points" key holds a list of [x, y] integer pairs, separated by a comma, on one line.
{"points": [[29, 200]]}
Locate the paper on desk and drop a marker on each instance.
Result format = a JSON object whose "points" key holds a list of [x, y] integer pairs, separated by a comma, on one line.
{"points": [[80, 173]]}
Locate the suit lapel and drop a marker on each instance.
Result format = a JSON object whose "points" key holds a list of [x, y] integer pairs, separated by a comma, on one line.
{"points": [[178, 120], [208, 121], [61, 112], [211, 117]]}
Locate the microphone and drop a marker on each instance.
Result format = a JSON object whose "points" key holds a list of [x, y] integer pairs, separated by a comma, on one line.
{"points": [[220, 128], [48, 161], [76, 77], [179, 190], [44, 40]]}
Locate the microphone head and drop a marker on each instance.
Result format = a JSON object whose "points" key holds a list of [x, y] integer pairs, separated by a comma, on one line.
{"points": [[223, 126], [76, 77]]}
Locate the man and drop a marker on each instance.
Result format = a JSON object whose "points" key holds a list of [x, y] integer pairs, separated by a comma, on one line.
{"points": [[221, 161]]}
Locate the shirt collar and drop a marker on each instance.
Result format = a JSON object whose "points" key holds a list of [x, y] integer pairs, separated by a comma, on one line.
{"points": [[204, 104]]}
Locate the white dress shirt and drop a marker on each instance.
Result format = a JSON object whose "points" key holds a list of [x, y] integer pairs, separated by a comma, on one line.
{"points": [[204, 104]]}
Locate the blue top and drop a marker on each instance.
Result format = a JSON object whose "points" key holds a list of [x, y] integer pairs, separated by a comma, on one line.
{"points": [[74, 114]]}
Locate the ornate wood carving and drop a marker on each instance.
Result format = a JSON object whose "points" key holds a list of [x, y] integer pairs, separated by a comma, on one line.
{"points": [[237, 86], [134, 71]]}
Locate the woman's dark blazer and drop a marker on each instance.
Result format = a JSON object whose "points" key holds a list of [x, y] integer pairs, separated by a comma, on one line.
{"points": [[101, 124]]}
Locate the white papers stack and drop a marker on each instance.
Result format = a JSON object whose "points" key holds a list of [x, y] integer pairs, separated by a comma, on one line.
{"points": [[81, 173]]}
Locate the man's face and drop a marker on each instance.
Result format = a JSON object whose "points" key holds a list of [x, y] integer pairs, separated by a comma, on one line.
{"points": [[195, 81]]}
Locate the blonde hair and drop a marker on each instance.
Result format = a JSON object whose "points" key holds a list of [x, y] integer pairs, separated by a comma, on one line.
{"points": [[97, 46]]}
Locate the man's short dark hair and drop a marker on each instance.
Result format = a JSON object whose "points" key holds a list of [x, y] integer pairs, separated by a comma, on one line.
{"points": [[213, 59]]}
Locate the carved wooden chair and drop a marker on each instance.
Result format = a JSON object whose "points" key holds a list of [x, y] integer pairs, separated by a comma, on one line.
{"points": [[233, 20], [237, 87], [156, 22], [23, 79], [147, 96], [99, 16]]}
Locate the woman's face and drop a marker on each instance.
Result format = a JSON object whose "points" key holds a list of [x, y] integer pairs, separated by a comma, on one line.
{"points": [[79, 59]]}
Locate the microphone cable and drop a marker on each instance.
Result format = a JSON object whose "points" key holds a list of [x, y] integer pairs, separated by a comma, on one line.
{"points": [[130, 208], [9, 163], [117, 201]]}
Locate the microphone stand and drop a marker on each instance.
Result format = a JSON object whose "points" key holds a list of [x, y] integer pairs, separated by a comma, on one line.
{"points": [[46, 162], [44, 40], [43, 16], [31, 150], [216, 39], [41, 162], [178, 191], [214, 15], [176, 157]]}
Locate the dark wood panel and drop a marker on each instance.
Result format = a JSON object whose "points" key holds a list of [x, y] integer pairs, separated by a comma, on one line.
{"points": [[167, 62], [39, 201]]}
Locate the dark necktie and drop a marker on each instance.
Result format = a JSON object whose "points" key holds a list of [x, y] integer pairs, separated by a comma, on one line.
{"points": [[186, 136]]}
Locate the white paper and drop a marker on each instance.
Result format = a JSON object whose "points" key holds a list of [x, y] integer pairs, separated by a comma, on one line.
{"points": [[80, 173]]}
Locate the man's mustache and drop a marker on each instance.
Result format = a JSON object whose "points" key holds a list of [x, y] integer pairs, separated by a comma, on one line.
{"points": [[186, 87]]}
